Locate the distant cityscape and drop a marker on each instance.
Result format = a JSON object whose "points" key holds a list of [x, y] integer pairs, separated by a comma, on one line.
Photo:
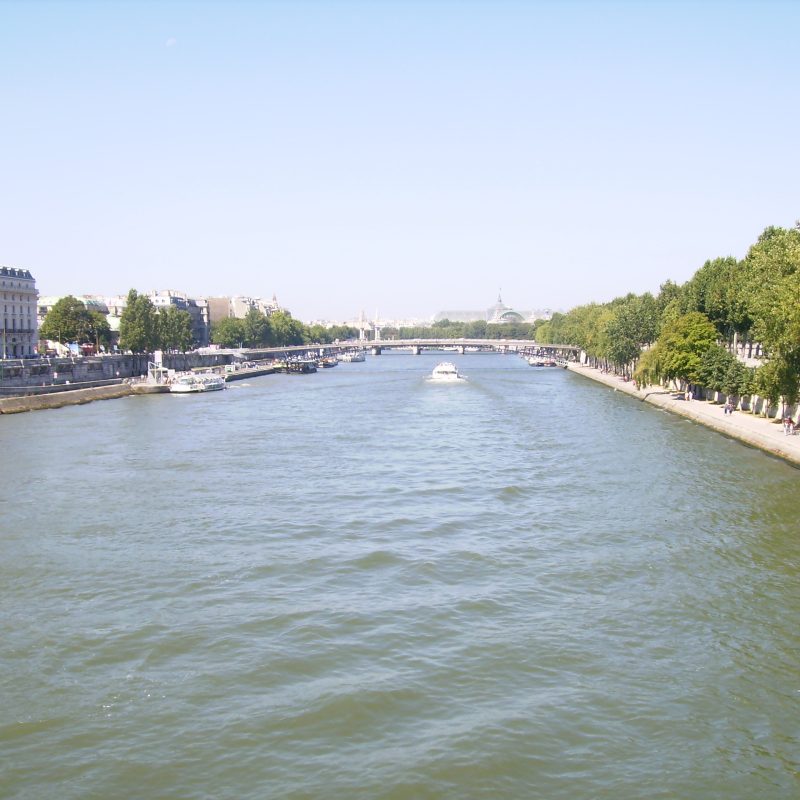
{"points": [[24, 312]]}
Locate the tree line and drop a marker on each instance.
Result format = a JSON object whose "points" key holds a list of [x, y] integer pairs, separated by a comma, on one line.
{"points": [[144, 328], [691, 333], [278, 329]]}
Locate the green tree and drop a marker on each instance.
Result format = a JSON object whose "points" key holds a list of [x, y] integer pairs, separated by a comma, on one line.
{"points": [[678, 351], [138, 330], [286, 330], [257, 329], [99, 331], [711, 291], [634, 324], [70, 321], [174, 329], [776, 380], [715, 369], [771, 291], [738, 379], [475, 329], [228, 332], [342, 332]]}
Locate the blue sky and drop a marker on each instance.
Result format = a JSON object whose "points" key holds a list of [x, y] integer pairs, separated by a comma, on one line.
{"points": [[398, 156]]}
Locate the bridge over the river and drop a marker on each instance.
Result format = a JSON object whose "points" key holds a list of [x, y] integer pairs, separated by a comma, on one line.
{"points": [[466, 345]]}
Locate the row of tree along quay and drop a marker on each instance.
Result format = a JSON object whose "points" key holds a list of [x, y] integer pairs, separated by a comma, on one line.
{"points": [[702, 334], [143, 328], [279, 329]]}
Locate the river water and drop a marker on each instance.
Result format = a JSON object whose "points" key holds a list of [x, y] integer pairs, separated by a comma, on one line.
{"points": [[358, 584]]}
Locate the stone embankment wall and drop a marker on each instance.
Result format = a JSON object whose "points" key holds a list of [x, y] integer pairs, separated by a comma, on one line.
{"points": [[15, 375], [56, 374], [15, 405]]}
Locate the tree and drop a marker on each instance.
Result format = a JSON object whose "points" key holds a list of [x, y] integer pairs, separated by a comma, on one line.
{"points": [[174, 329], [777, 379], [771, 290], [634, 324], [286, 330], [711, 291], [678, 351], [342, 333], [257, 329], [716, 366], [70, 321], [137, 325], [738, 379], [99, 331], [228, 332]]}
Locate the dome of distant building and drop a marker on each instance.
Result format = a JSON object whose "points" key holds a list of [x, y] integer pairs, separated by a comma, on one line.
{"points": [[500, 313]]}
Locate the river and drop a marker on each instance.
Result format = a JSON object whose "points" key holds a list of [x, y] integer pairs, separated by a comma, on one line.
{"points": [[358, 584]]}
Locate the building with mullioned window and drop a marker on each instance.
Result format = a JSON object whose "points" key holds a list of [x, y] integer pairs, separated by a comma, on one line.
{"points": [[20, 326]]}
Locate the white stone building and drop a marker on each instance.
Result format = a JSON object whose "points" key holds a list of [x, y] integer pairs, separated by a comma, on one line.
{"points": [[20, 327]]}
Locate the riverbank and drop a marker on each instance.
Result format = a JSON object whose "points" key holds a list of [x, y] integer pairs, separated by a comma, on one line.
{"points": [[16, 405], [756, 431]]}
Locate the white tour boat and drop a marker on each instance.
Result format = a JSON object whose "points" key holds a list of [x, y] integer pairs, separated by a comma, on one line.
{"points": [[186, 384], [353, 355], [446, 372]]}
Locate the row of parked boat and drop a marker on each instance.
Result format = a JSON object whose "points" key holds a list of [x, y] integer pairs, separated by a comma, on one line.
{"points": [[196, 382]]}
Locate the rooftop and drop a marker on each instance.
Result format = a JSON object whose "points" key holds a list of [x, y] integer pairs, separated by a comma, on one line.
{"points": [[10, 272]]}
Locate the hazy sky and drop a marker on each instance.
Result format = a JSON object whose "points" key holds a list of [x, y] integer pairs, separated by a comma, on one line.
{"points": [[400, 156]]}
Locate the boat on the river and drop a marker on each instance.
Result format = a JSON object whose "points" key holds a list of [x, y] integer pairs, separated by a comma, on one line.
{"points": [[190, 384], [540, 361], [296, 366], [353, 355], [445, 372], [327, 362]]}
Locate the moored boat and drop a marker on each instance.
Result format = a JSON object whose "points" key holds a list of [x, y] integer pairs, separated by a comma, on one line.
{"points": [[190, 384], [353, 355], [539, 361], [295, 366]]}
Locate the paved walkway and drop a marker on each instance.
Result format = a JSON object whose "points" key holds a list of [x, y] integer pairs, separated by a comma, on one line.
{"points": [[766, 434]]}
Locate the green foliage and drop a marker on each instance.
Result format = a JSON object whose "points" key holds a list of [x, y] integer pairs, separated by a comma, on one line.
{"points": [[174, 329], [777, 379], [99, 330], [70, 321], [771, 291], [257, 329], [322, 335], [738, 379], [340, 333], [228, 332], [678, 353], [712, 291], [277, 330], [138, 330], [757, 298], [286, 329], [715, 365], [633, 325]]}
